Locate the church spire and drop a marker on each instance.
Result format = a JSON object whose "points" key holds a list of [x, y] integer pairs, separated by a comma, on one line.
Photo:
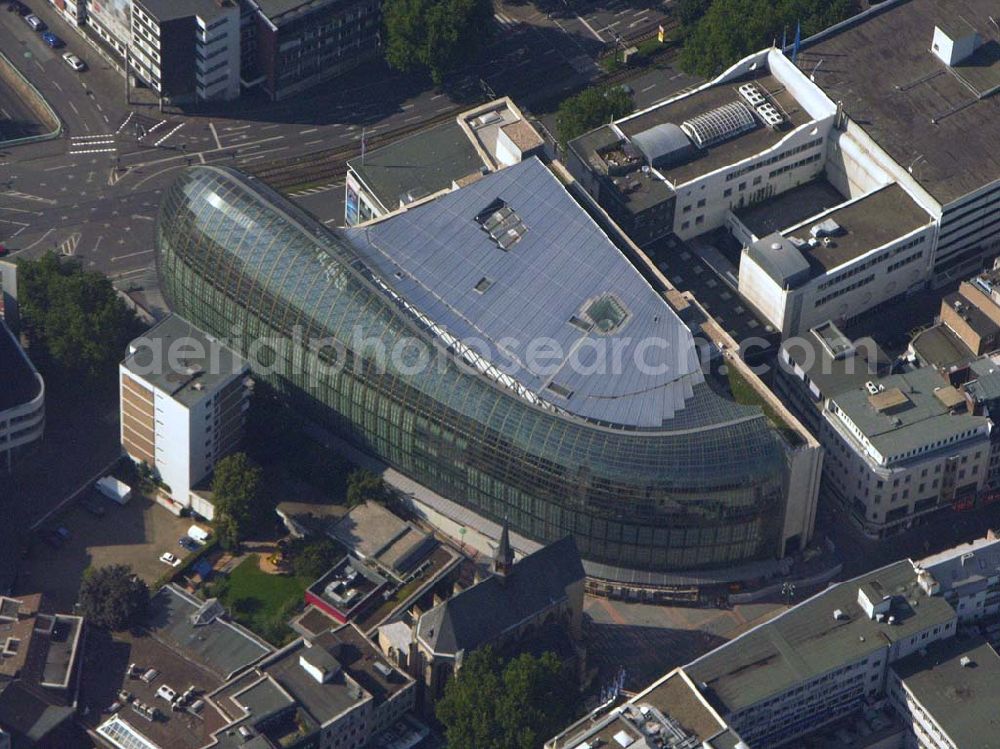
{"points": [[503, 559]]}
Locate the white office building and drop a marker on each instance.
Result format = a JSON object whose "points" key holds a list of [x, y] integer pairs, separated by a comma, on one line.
{"points": [[184, 397], [902, 447]]}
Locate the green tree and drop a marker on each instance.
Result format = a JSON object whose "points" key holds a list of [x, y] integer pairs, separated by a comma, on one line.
{"points": [[517, 705], [112, 597], [314, 556], [240, 507], [689, 12], [364, 486], [77, 325], [589, 109], [435, 36], [732, 29]]}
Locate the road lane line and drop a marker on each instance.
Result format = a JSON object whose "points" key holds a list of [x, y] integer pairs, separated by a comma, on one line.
{"points": [[168, 134], [57, 168], [73, 107], [39, 240], [310, 130], [313, 142], [116, 258], [142, 218], [127, 120], [649, 87], [56, 84], [591, 29], [218, 143]]}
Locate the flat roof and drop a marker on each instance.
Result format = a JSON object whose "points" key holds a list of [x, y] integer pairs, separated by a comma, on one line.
{"points": [[921, 420], [177, 730], [357, 581], [790, 208], [562, 280], [418, 165], [806, 641], [870, 222], [223, 647], [971, 564], [673, 696], [833, 373], [182, 361], [285, 11], [20, 385], [373, 532], [961, 700], [895, 88], [727, 152], [938, 346], [169, 10]]}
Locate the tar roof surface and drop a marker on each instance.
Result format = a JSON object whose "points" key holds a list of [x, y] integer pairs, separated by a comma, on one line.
{"points": [[806, 641], [868, 223], [835, 375], [790, 208], [435, 256], [205, 362], [729, 151], [284, 11], [221, 646], [167, 10], [922, 420], [420, 164], [939, 347], [893, 86], [962, 700], [19, 382]]}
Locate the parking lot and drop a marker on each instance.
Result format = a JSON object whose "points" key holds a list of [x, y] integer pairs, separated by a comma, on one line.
{"points": [[136, 535]]}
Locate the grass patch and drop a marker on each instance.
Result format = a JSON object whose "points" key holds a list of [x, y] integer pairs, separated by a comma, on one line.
{"points": [[263, 603], [743, 392]]}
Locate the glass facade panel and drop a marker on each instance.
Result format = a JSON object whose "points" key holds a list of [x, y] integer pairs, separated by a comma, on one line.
{"points": [[244, 264]]}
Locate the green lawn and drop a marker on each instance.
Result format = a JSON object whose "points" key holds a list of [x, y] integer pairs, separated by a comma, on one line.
{"points": [[260, 601]]}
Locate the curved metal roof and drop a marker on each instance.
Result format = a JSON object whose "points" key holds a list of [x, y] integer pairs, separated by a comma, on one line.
{"points": [[662, 141], [719, 124]]}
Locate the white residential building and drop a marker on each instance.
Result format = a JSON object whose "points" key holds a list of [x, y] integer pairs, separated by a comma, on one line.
{"points": [[968, 577], [902, 447], [22, 398], [183, 401]]}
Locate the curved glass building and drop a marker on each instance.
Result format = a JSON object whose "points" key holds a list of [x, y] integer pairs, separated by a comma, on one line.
{"points": [[497, 347]]}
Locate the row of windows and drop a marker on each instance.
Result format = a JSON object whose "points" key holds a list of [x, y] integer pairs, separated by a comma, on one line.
{"points": [[846, 289], [876, 260], [773, 159], [795, 165]]}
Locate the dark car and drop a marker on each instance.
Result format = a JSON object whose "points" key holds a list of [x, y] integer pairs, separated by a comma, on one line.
{"points": [[52, 40], [18, 7], [93, 505], [63, 533], [188, 543], [3, 250]]}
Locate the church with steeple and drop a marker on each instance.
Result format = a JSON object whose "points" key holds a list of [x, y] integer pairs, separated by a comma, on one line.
{"points": [[534, 604]]}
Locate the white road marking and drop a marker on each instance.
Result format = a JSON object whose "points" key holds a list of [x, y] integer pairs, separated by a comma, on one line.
{"points": [[270, 127], [590, 29], [116, 258], [19, 210], [218, 143], [140, 217], [93, 150], [39, 240], [649, 87], [127, 120], [234, 129], [105, 136], [159, 124], [406, 106], [56, 84], [310, 130], [57, 168], [168, 134], [313, 142], [73, 107], [26, 196]]}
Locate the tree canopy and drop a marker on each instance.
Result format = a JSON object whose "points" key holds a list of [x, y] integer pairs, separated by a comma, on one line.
{"points": [[77, 325], [589, 109], [517, 705], [312, 557], [364, 486], [240, 506], [435, 36], [112, 597], [722, 32]]}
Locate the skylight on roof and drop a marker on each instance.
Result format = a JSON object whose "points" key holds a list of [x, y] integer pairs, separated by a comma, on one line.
{"points": [[607, 313], [502, 223], [719, 124]]}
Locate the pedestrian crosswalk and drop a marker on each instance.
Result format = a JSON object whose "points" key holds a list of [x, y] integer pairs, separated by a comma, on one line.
{"points": [[506, 22], [314, 190], [84, 144]]}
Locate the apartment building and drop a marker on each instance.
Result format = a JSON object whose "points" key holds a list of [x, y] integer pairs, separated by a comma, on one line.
{"points": [[292, 45], [967, 576], [22, 398], [183, 397], [903, 447], [187, 49]]}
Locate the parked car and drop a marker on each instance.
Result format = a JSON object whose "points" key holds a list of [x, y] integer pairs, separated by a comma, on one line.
{"points": [[19, 8], [52, 538], [3, 250], [168, 558], [93, 505], [74, 62], [63, 533], [189, 544], [52, 40], [35, 22]]}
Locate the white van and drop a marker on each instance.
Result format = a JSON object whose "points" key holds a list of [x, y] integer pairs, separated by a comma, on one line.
{"points": [[198, 534], [114, 489]]}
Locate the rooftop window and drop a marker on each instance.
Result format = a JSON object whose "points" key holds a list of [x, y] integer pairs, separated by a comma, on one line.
{"points": [[502, 223]]}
